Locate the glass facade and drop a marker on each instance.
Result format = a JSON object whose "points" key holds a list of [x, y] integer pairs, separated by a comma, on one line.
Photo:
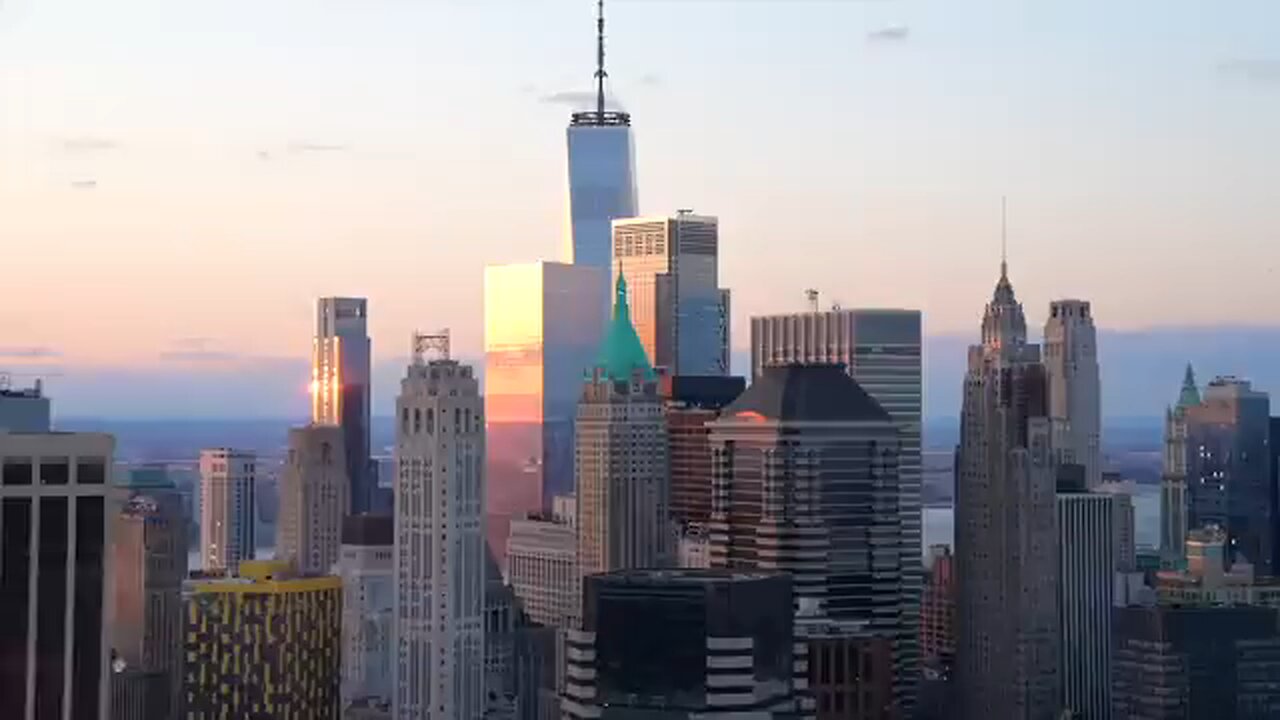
{"points": [[601, 187], [542, 328], [672, 270], [340, 386]]}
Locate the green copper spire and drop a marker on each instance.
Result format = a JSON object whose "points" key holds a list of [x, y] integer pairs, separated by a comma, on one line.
{"points": [[622, 353], [1190, 394]]}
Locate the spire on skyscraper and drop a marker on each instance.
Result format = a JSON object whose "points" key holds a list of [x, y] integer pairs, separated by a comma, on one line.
{"points": [[1003, 323], [600, 71], [622, 353], [1190, 394]]}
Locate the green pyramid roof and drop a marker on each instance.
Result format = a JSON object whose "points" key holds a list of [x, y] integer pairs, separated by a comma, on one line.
{"points": [[622, 353], [1190, 394]]}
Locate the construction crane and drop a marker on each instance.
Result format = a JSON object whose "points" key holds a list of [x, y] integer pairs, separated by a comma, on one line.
{"points": [[812, 296]]}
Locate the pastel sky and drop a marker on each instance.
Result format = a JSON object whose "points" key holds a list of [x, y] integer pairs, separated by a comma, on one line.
{"points": [[180, 180]]}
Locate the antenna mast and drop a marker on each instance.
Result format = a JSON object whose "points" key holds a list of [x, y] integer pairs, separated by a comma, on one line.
{"points": [[424, 342], [1004, 237], [600, 72]]}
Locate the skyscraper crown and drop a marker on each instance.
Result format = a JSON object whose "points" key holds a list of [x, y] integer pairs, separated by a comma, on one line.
{"points": [[1190, 394], [622, 353]]}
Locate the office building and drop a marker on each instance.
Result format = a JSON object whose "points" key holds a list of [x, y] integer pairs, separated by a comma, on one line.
{"points": [[1206, 579], [938, 612], [1195, 662], [439, 540], [138, 694], [24, 410], [1075, 389], [228, 480], [672, 269], [806, 482], [501, 615], [1228, 468], [341, 387], [314, 498], [881, 350], [1173, 479], [266, 643], [1087, 563], [685, 643], [542, 567], [368, 607], [55, 490], [149, 549], [601, 176], [542, 326], [621, 463], [850, 670], [1007, 653], [689, 403]]}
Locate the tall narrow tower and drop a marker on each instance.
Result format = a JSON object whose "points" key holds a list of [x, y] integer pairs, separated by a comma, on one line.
{"points": [[1075, 390], [1173, 481], [601, 172], [227, 485], [1006, 544], [340, 386], [439, 539]]}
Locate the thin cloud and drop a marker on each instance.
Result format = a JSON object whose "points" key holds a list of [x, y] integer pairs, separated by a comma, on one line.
{"points": [[84, 184], [34, 352], [650, 79], [88, 144], [196, 349], [1265, 71], [579, 99], [311, 147], [889, 34]]}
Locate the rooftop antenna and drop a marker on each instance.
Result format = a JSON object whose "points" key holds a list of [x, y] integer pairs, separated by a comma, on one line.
{"points": [[812, 296], [1004, 237], [424, 342], [600, 72]]}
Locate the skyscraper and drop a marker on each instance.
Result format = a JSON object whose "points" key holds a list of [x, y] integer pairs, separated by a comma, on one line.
{"points": [[263, 644], [938, 612], [1075, 390], [542, 326], [601, 174], [1086, 568], [806, 482], [1006, 546], [54, 493], [689, 404], [621, 464], [542, 567], [24, 409], [1173, 481], [341, 370], [881, 350], [685, 643], [1195, 662], [227, 483], [1228, 468], [314, 499], [149, 546], [672, 269], [368, 607], [439, 540]]}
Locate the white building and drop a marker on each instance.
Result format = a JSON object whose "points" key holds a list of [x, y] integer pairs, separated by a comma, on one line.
{"points": [[1087, 563], [55, 571], [439, 542], [1075, 390], [368, 605], [315, 496], [542, 568], [227, 483]]}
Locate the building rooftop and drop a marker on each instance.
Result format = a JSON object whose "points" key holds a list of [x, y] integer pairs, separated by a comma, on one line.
{"points": [[264, 576], [622, 354], [815, 393], [684, 576]]}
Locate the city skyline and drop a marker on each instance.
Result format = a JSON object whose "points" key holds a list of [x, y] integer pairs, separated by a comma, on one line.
{"points": [[913, 225]]}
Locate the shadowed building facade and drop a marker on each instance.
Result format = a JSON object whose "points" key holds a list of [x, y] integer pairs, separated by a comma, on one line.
{"points": [[314, 499], [264, 644], [341, 387]]}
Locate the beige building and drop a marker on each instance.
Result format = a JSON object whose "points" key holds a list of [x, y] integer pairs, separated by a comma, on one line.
{"points": [[227, 484], [542, 569], [1207, 581], [315, 495]]}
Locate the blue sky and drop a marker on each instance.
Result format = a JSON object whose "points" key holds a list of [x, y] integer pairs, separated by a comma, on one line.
{"points": [[200, 172]]}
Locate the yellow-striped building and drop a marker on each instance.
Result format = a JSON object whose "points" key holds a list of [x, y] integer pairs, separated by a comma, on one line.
{"points": [[264, 644]]}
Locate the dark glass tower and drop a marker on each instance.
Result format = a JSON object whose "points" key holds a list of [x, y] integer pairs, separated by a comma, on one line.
{"points": [[341, 368]]}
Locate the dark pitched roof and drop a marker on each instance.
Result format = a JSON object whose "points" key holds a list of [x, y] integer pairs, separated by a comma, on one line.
{"points": [[817, 393]]}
